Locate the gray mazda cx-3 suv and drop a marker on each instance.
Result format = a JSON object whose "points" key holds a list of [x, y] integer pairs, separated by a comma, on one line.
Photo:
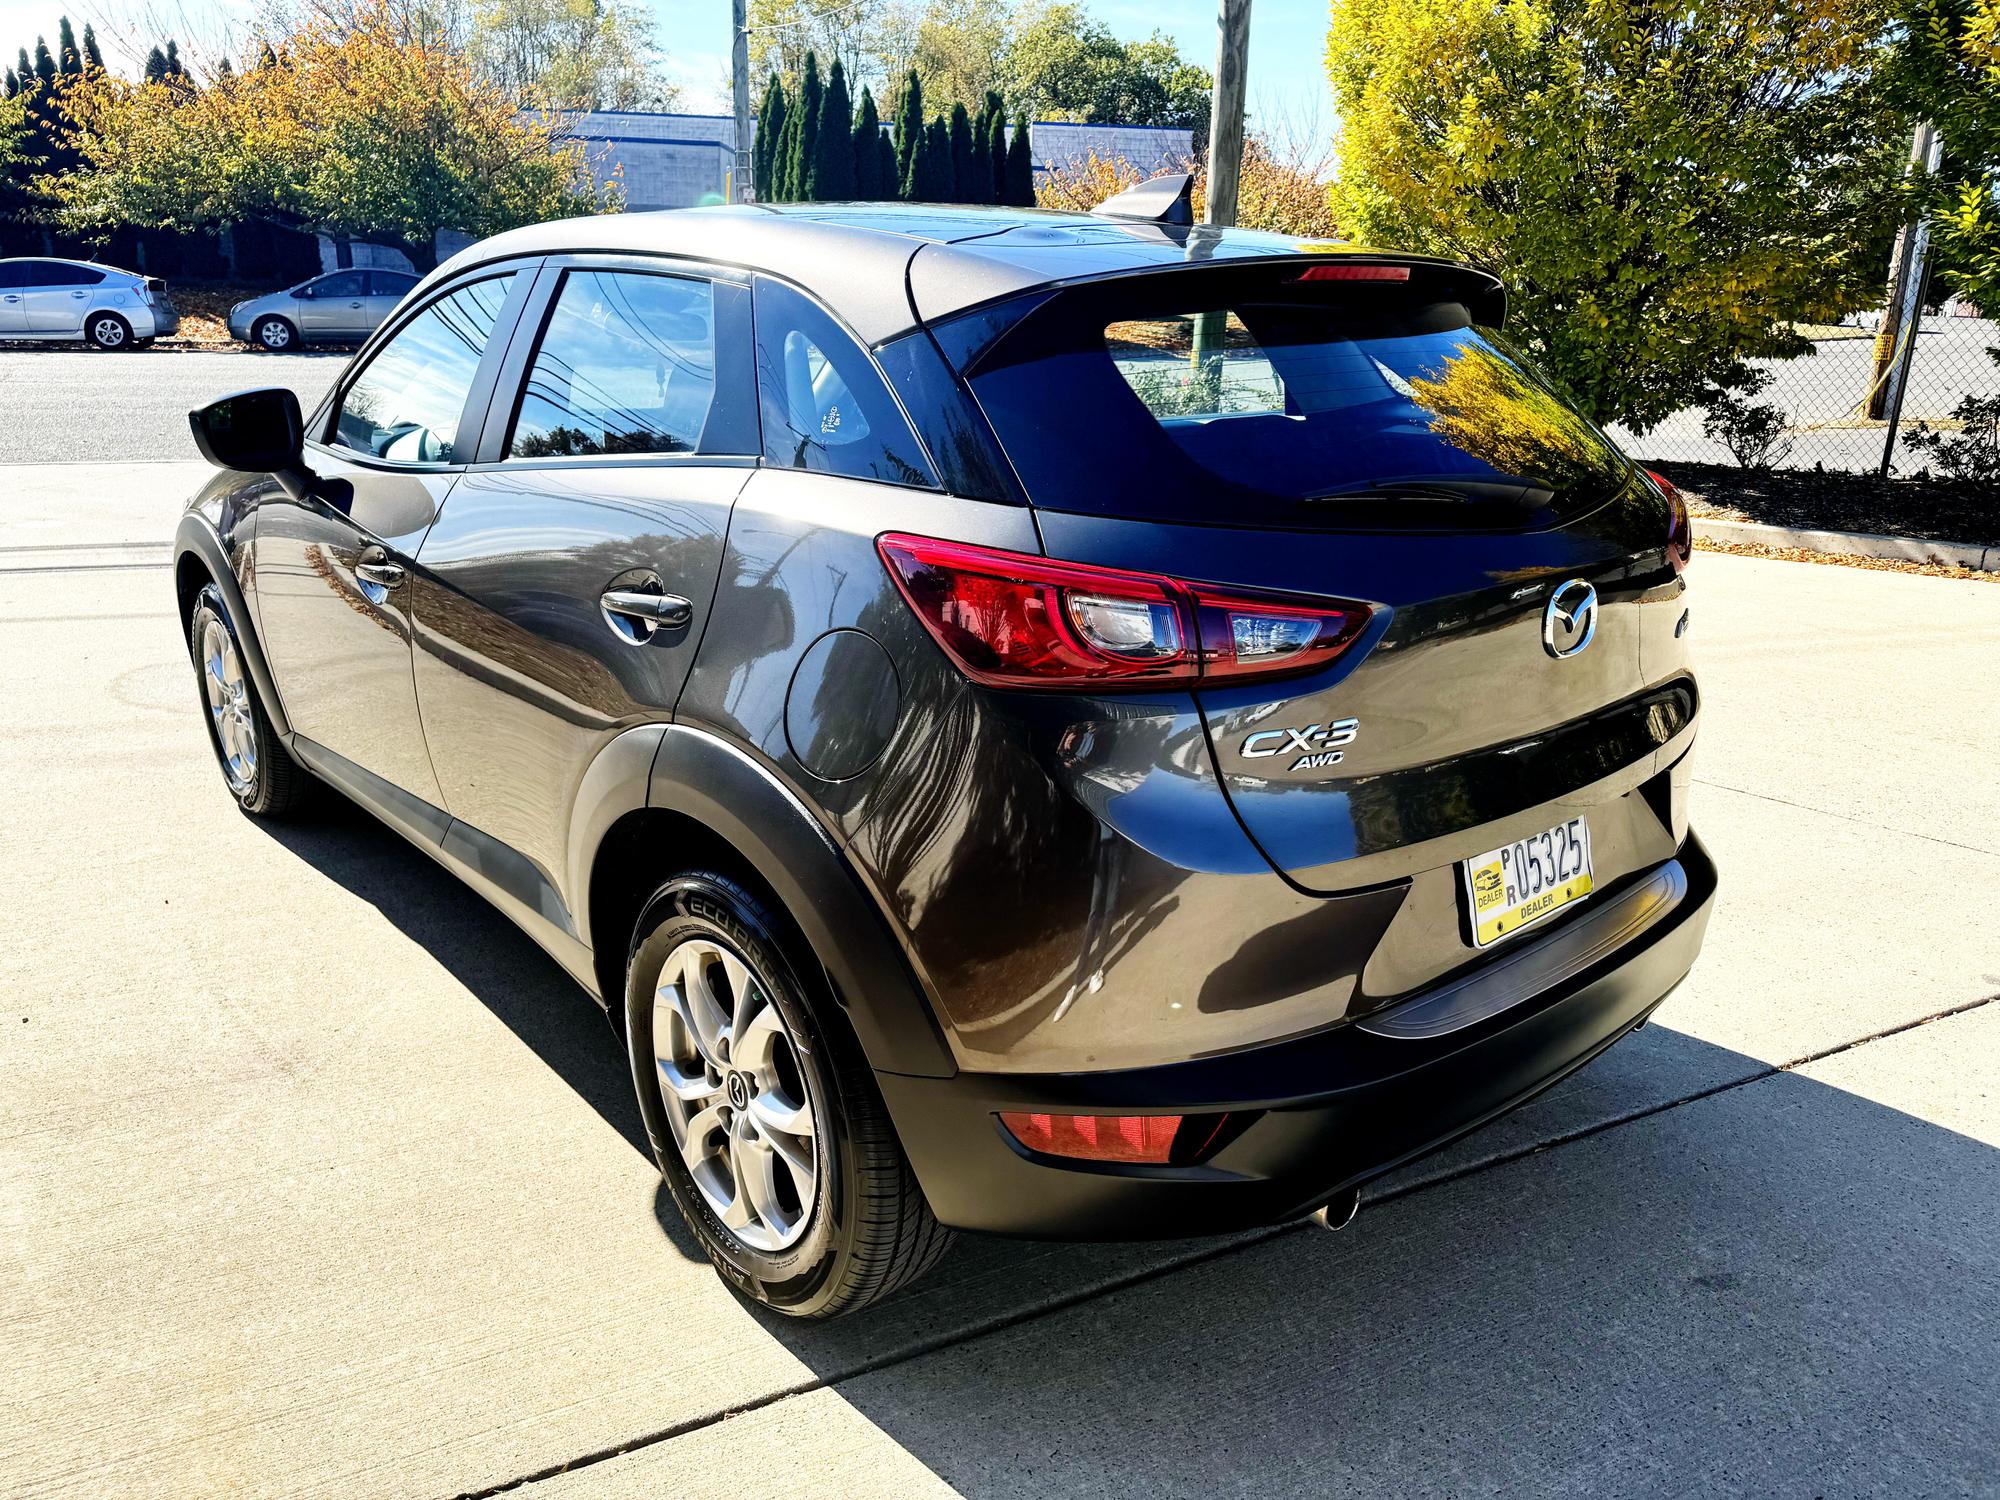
{"points": [[1071, 725]]}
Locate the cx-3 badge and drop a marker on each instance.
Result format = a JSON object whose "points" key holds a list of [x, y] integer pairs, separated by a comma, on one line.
{"points": [[1570, 620], [1318, 741]]}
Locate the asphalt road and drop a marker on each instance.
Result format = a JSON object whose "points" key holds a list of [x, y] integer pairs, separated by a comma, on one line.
{"points": [[66, 406], [316, 1178]]}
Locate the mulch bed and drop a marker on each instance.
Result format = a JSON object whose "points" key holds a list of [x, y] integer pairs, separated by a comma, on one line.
{"points": [[1933, 510], [1844, 560]]}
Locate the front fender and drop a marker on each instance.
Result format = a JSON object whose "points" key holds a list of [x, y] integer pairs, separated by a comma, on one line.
{"points": [[708, 779], [196, 536]]}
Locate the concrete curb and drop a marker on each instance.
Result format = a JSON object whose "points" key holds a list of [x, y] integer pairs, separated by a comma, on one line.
{"points": [[1853, 544]]}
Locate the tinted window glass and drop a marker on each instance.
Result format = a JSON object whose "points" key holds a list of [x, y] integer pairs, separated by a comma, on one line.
{"points": [[824, 404], [390, 283], [13, 274], [345, 284], [625, 365], [1261, 399], [56, 273], [405, 403]]}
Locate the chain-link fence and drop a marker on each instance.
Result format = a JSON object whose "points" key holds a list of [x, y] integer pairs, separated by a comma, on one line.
{"points": [[1828, 410]]}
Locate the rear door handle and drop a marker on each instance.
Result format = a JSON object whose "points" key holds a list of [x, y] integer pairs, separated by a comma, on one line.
{"points": [[377, 574], [634, 614]]}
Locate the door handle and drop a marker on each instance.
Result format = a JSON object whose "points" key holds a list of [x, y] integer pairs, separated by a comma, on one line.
{"points": [[354, 304], [634, 614], [79, 294], [382, 574], [376, 574]]}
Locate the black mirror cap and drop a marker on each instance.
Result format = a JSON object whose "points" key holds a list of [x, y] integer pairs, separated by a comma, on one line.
{"points": [[257, 432]]}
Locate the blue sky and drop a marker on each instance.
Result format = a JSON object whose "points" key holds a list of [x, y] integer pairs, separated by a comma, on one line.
{"points": [[1287, 38]]}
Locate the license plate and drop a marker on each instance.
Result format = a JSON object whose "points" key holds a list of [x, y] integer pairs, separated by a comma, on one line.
{"points": [[1519, 884]]}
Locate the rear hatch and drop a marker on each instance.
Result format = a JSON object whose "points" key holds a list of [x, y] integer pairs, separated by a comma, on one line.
{"points": [[1349, 430]]}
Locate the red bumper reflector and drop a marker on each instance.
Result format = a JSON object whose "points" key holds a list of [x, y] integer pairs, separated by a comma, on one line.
{"points": [[1354, 273], [1129, 1138]]}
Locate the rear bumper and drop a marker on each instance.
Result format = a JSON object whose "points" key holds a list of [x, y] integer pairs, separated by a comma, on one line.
{"points": [[1327, 1111]]}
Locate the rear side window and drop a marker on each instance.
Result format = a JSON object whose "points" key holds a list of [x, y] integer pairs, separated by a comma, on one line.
{"points": [[824, 404], [625, 365], [405, 404], [389, 283], [1252, 396]]}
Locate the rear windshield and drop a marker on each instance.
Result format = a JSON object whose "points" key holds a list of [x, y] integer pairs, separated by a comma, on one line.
{"points": [[1260, 398]]}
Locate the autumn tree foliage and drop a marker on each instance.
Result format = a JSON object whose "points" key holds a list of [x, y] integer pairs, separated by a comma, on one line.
{"points": [[1666, 191], [1949, 74], [365, 129]]}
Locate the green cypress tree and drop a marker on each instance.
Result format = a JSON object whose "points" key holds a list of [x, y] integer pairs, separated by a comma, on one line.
{"points": [[224, 71], [770, 126], [833, 152], [981, 178], [909, 133], [24, 70], [92, 58], [45, 65], [996, 150], [934, 163], [1020, 167], [12, 88], [868, 184], [69, 58], [964, 186], [805, 139], [885, 166], [174, 65], [156, 66]]}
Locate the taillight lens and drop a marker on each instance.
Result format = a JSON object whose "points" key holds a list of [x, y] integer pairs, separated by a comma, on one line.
{"points": [[1354, 273], [1154, 1139], [1680, 530], [1011, 619]]}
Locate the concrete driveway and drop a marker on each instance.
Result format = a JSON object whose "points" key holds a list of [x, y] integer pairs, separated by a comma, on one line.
{"points": [[316, 1178]]}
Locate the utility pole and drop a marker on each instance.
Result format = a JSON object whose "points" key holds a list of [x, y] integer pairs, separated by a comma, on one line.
{"points": [[1225, 123], [1225, 164], [1903, 310], [740, 185]]}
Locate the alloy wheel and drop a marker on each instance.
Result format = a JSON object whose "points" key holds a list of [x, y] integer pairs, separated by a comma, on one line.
{"points": [[229, 706], [736, 1098], [274, 335], [107, 333]]}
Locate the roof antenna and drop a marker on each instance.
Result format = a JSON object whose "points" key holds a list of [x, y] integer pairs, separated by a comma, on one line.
{"points": [[1163, 200]]}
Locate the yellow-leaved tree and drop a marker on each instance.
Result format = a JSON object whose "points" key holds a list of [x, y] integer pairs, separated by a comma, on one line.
{"points": [[363, 129], [1667, 191]]}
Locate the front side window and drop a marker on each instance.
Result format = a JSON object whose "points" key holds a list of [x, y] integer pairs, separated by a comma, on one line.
{"points": [[345, 284], [824, 404], [405, 404], [625, 365], [390, 283]]}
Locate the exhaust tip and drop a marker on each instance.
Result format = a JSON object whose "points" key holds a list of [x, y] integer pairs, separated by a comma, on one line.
{"points": [[1340, 1212]]}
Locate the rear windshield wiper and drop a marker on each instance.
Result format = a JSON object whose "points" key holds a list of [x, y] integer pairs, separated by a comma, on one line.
{"points": [[1497, 489]]}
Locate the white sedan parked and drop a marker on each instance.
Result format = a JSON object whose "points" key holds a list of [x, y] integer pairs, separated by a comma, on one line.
{"points": [[76, 301]]}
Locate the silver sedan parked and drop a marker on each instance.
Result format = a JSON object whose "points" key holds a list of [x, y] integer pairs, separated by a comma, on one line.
{"points": [[340, 307], [78, 301]]}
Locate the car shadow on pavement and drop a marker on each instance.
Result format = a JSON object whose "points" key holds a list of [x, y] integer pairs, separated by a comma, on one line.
{"points": [[1779, 1287], [496, 962]]}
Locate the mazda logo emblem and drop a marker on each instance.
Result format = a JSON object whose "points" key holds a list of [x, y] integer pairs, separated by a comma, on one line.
{"points": [[739, 1092], [1570, 621]]}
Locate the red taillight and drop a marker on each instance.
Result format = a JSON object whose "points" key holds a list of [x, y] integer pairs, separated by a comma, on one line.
{"points": [[1680, 530], [1011, 619], [1354, 273], [1129, 1138]]}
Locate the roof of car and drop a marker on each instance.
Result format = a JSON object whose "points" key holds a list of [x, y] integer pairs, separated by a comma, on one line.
{"points": [[887, 267]]}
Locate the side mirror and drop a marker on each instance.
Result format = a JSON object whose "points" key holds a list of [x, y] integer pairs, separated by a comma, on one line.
{"points": [[259, 432]]}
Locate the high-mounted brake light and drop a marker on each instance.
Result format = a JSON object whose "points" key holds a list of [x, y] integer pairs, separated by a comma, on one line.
{"points": [[1011, 619], [1680, 530], [1354, 273]]}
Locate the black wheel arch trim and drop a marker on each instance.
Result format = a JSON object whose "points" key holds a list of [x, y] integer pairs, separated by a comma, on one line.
{"points": [[712, 781], [197, 537]]}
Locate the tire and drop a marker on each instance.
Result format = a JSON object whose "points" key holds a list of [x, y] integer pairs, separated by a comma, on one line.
{"points": [[274, 334], [861, 1228], [108, 331], [258, 770]]}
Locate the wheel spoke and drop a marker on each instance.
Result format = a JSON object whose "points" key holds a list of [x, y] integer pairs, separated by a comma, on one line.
{"points": [[755, 1167], [752, 1048], [690, 1088], [744, 998], [695, 1003], [695, 1150], [772, 1111], [795, 1148]]}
